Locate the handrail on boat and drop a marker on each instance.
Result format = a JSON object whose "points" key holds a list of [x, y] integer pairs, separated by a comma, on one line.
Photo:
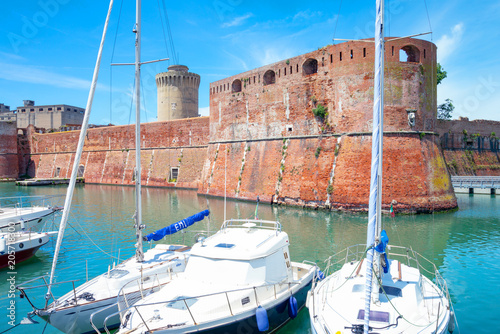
{"points": [[267, 292], [410, 256], [263, 224]]}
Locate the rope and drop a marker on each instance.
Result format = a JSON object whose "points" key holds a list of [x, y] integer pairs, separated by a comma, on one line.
{"points": [[428, 18], [92, 241], [337, 22], [10, 328]]}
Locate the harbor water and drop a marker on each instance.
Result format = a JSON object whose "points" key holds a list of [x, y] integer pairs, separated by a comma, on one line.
{"points": [[464, 245]]}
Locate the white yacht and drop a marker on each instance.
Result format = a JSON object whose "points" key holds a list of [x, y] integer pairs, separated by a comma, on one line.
{"points": [[241, 279]]}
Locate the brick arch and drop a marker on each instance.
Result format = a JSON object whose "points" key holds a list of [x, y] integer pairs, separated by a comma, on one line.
{"points": [[412, 54], [310, 66], [269, 77], [236, 86]]}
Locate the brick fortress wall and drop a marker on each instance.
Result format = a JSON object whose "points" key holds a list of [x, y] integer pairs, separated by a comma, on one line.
{"points": [[109, 156], [8, 150], [266, 140]]}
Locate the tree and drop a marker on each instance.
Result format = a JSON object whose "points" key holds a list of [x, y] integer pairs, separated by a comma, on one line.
{"points": [[441, 73], [444, 110]]}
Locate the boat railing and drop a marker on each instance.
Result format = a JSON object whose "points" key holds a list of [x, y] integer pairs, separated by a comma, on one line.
{"points": [[30, 202], [252, 223], [201, 309], [42, 283], [404, 254], [133, 291]]}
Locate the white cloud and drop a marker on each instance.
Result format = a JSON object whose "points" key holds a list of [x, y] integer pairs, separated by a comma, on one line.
{"points": [[35, 75], [205, 111], [447, 44], [237, 21]]}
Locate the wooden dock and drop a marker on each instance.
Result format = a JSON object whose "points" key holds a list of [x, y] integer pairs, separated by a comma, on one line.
{"points": [[47, 182]]}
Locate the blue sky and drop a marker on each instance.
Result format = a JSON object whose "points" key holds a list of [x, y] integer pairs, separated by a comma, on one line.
{"points": [[48, 48]]}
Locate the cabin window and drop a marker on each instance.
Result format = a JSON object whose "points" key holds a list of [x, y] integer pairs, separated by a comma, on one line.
{"points": [[310, 66], [375, 316], [236, 86]]}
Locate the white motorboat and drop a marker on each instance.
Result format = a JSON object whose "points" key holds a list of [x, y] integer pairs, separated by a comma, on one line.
{"points": [[241, 279], [17, 247], [24, 213], [373, 293]]}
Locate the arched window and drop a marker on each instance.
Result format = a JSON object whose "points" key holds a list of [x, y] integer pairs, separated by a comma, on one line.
{"points": [[310, 66], [236, 86], [269, 77], [409, 53]]}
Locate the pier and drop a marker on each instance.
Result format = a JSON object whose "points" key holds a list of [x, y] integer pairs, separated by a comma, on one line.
{"points": [[476, 184], [47, 181]]}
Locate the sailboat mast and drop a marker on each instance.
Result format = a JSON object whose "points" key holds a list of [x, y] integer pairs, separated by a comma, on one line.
{"points": [[78, 155], [139, 254], [374, 208]]}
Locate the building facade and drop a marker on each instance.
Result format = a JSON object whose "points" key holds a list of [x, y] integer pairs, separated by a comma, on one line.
{"points": [[48, 116]]}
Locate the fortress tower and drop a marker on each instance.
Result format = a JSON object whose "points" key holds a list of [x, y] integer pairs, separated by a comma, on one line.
{"points": [[177, 93]]}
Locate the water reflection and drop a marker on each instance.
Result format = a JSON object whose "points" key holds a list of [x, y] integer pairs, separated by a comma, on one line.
{"points": [[463, 244]]}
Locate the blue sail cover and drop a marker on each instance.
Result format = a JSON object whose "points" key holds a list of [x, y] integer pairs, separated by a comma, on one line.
{"points": [[384, 240], [171, 229]]}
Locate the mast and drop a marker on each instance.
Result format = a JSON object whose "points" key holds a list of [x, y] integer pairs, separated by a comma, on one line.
{"points": [[78, 155], [374, 208], [139, 254]]}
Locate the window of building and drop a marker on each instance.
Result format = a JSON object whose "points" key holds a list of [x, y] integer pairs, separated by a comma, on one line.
{"points": [[424, 53], [57, 171], [352, 53], [59, 108], [364, 52], [297, 70], [23, 110], [331, 58], [236, 86], [291, 67], [409, 53], [40, 109], [310, 66], [81, 171], [68, 109], [269, 77], [285, 70], [49, 109], [174, 174], [32, 109], [340, 55]]}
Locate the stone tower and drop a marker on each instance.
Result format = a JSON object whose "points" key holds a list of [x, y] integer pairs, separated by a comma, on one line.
{"points": [[177, 93]]}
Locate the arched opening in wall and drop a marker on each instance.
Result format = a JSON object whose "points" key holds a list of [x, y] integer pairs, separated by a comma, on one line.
{"points": [[81, 171], [236, 86], [310, 66], [409, 53], [269, 77]]}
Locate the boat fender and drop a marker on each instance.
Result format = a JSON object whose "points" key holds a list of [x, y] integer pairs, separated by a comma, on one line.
{"points": [[320, 275], [23, 225], [3, 244], [451, 323], [262, 320], [292, 307]]}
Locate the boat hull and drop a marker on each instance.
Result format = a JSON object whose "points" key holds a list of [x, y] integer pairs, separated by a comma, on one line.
{"points": [[20, 256], [277, 315], [31, 218]]}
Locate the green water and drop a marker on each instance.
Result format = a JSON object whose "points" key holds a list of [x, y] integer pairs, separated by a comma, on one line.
{"points": [[463, 244]]}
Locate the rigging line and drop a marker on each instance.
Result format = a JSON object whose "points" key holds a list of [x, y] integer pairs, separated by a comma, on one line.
{"points": [[111, 67], [163, 28], [337, 22], [176, 57], [428, 18], [92, 241], [143, 100], [131, 104]]}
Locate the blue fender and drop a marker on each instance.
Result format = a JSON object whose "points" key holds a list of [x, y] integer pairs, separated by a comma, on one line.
{"points": [[292, 307], [262, 320]]}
